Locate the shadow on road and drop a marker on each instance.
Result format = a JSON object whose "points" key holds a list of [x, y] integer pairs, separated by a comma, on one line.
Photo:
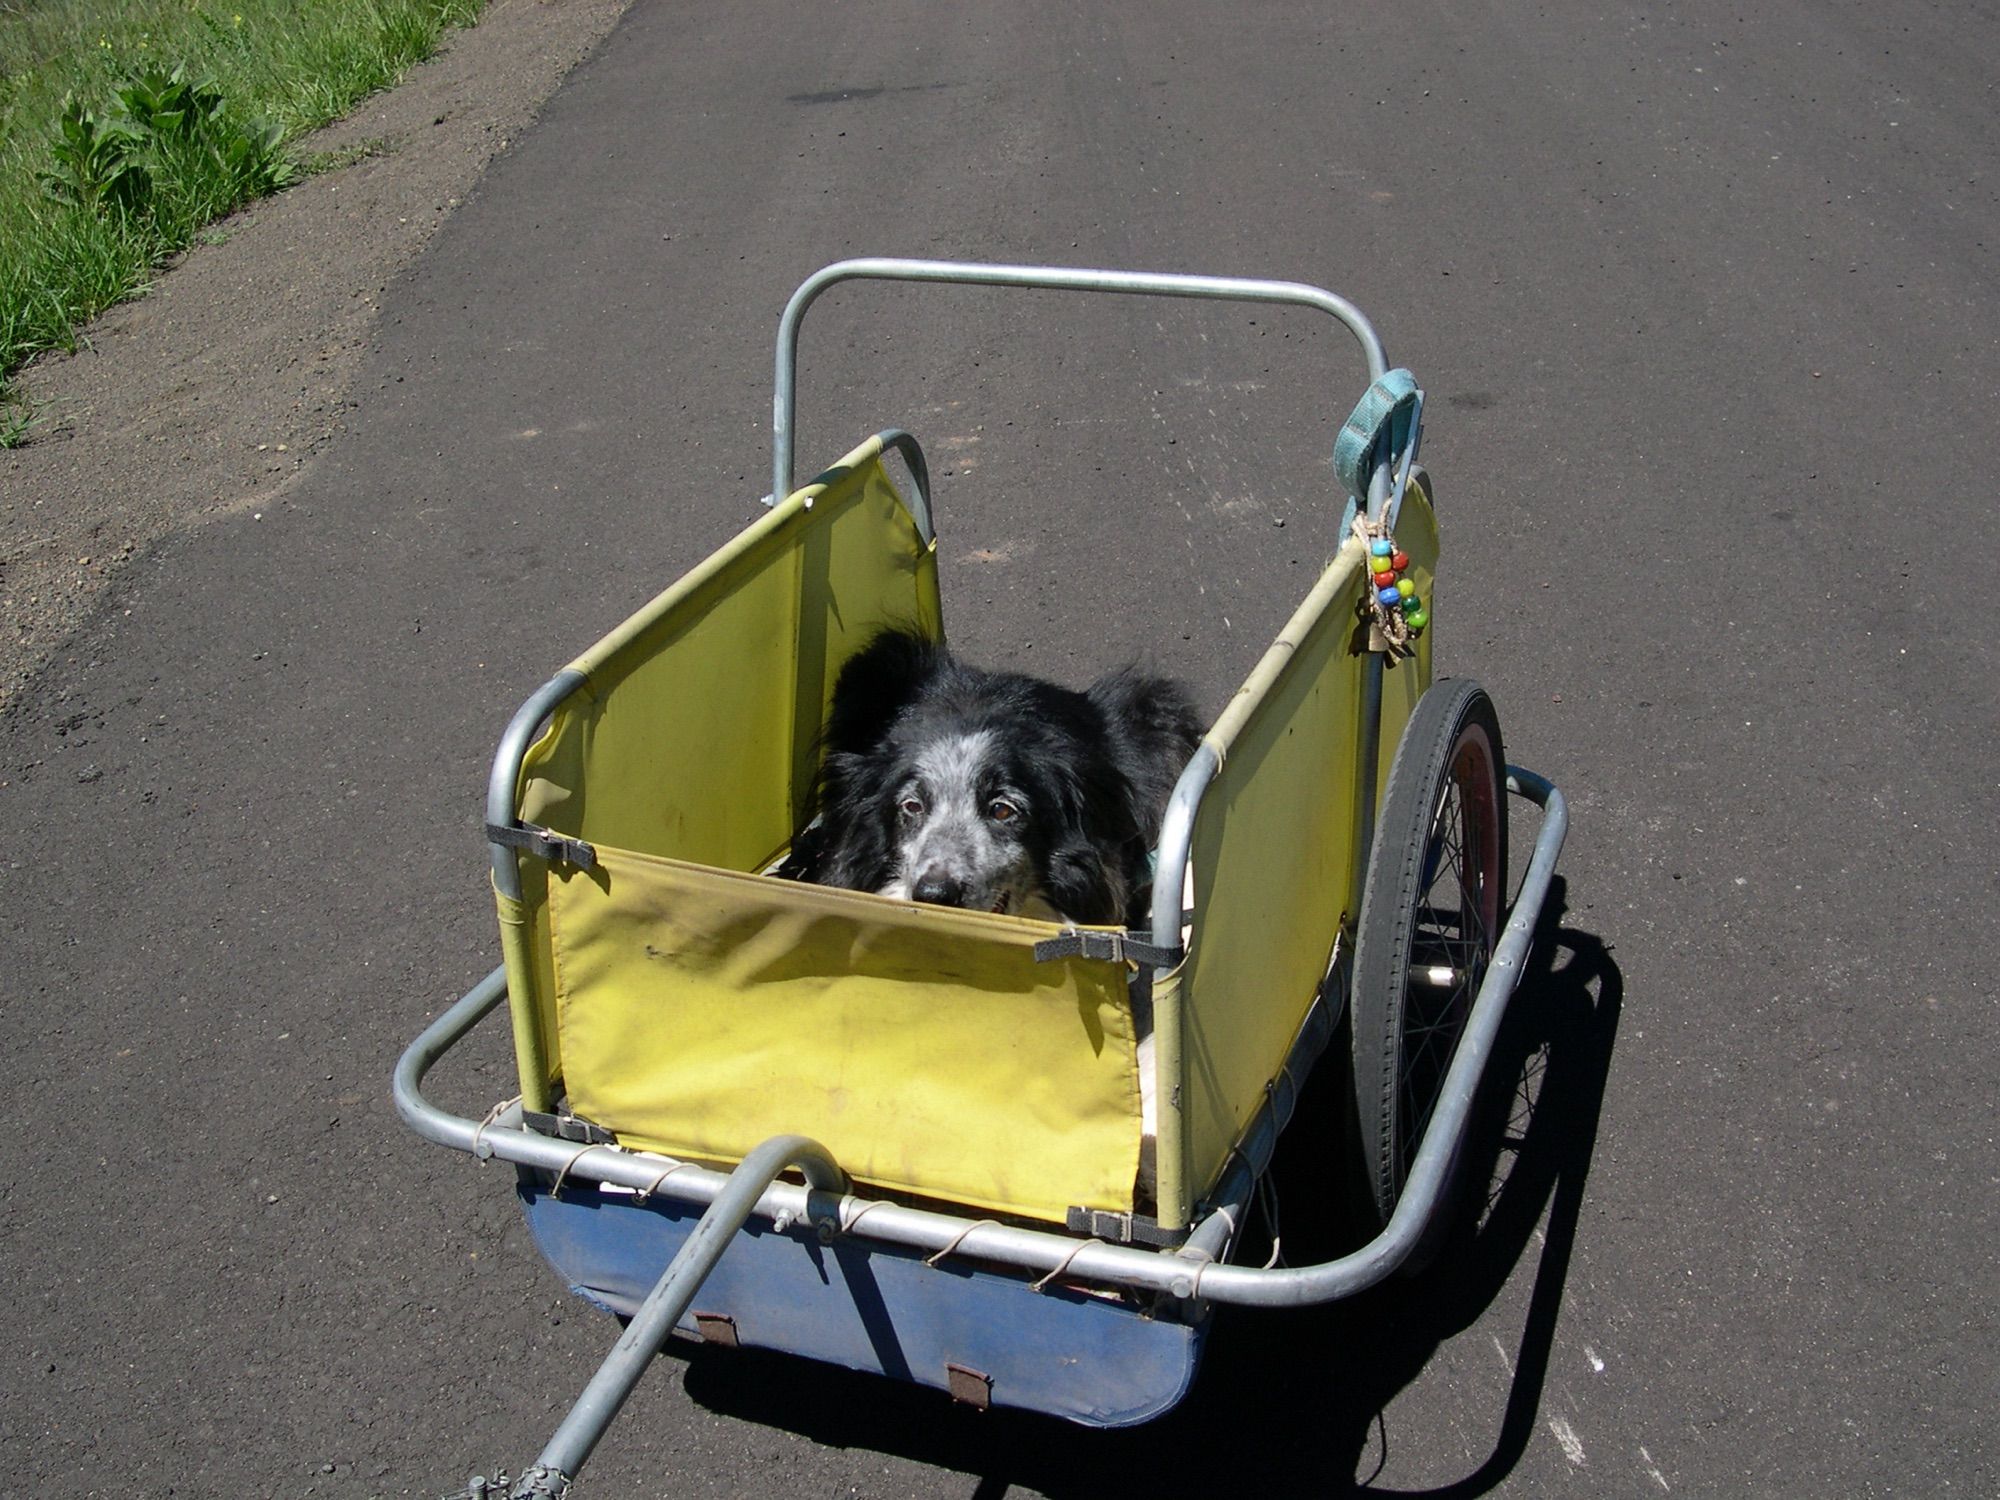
{"points": [[1294, 1400]]}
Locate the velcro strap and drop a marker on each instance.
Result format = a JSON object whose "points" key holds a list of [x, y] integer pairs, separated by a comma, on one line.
{"points": [[543, 843], [1388, 406], [1112, 947]]}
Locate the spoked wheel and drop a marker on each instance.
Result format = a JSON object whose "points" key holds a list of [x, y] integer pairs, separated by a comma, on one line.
{"points": [[1430, 916]]}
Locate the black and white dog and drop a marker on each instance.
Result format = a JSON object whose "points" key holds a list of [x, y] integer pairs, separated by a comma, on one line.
{"points": [[993, 791]]}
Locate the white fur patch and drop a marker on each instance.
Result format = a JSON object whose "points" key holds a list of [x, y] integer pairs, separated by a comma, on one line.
{"points": [[952, 766]]}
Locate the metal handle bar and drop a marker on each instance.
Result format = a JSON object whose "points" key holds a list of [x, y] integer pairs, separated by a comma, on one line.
{"points": [[1050, 278], [591, 1415]]}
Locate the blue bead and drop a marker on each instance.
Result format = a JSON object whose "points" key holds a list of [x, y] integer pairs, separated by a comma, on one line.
{"points": [[1389, 596], [1381, 547]]}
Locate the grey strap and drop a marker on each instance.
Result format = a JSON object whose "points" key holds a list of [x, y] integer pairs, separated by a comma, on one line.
{"points": [[1114, 947], [543, 843], [1389, 406], [1122, 1228]]}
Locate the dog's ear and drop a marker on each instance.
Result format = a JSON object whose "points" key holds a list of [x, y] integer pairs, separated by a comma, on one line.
{"points": [[1152, 728], [1092, 794], [878, 683], [854, 850], [1082, 887]]}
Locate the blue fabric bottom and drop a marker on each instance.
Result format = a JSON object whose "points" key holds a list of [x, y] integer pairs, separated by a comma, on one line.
{"points": [[1093, 1360]]}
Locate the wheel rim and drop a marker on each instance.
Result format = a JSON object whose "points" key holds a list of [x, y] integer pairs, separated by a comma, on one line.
{"points": [[1451, 942]]}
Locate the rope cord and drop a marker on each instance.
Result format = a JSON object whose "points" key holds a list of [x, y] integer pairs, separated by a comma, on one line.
{"points": [[645, 1194], [1042, 1285], [575, 1156], [958, 1239], [1267, 1200], [480, 1153], [1267, 1189], [868, 1208]]}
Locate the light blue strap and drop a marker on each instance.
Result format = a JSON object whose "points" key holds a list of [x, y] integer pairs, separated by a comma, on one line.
{"points": [[1389, 405]]}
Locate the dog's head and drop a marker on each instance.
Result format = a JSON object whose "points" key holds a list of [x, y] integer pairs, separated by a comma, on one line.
{"points": [[981, 790], [969, 821]]}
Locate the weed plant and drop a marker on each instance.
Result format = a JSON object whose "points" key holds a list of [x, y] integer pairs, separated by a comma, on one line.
{"points": [[126, 125]]}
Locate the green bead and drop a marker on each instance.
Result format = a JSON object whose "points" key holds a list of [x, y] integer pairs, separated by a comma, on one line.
{"points": [[1417, 619]]}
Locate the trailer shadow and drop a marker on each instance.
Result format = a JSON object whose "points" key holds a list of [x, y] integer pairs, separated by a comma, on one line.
{"points": [[1294, 1400]]}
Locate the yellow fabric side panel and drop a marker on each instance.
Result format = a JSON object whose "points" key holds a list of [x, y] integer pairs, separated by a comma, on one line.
{"points": [[694, 736], [703, 1012], [867, 569], [1274, 850], [1273, 859]]}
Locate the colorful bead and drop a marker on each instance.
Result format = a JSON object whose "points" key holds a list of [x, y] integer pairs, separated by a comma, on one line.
{"points": [[1411, 603], [1400, 561], [1385, 579], [1417, 619], [1381, 547], [1388, 596], [1406, 588]]}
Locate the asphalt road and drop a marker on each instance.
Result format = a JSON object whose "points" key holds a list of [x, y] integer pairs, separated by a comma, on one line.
{"points": [[1703, 296]]}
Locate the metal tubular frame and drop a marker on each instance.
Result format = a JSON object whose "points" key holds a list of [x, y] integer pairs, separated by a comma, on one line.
{"points": [[1044, 278], [1190, 1272], [1196, 1271], [503, 782]]}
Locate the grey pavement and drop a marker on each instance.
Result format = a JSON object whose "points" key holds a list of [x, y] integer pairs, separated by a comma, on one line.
{"points": [[1703, 296]]}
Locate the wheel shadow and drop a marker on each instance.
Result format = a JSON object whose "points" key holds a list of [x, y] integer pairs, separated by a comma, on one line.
{"points": [[1294, 1400]]}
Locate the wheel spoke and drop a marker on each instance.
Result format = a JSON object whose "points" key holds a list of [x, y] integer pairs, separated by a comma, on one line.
{"points": [[1451, 935]]}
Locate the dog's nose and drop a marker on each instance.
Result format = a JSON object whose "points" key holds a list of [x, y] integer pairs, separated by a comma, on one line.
{"points": [[939, 889]]}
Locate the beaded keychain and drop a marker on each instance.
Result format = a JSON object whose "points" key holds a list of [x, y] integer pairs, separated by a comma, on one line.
{"points": [[1399, 612]]}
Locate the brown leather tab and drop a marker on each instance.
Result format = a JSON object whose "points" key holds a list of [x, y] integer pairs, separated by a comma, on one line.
{"points": [[716, 1328], [969, 1386]]}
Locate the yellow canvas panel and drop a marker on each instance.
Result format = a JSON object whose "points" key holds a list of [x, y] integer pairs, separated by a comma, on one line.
{"points": [[1273, 856], [693, 735], [1273, 853], [704, 1011]]}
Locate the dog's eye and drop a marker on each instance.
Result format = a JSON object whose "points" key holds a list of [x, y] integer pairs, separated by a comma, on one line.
{"points": [[911, 807], [1000, 810]]}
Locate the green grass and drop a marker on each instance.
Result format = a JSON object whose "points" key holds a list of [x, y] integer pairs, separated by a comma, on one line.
{"points": [[126, 125]]}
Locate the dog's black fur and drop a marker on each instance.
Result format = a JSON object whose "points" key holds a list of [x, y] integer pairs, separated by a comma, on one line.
{"points": [[1055, 794]]}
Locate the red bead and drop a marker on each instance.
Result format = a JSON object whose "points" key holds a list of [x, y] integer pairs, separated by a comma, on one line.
{"points": [[1400, 561], [1385, 579]]}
